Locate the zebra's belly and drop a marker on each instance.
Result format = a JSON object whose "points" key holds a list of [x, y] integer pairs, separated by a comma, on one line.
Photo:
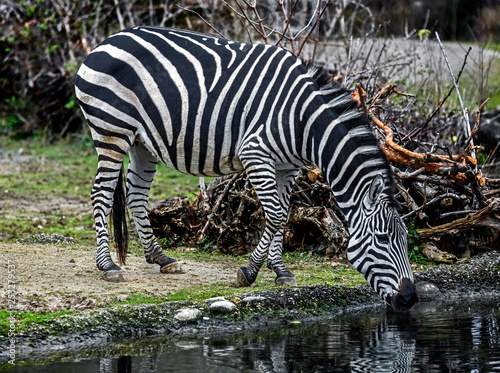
{"points": [[226, 166]]}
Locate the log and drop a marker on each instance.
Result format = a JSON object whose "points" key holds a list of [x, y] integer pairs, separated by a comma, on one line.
{"points": [[487, 217], [430, 251]]}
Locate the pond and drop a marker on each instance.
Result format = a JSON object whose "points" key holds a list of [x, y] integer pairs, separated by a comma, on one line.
{"points": [[463, 336]]}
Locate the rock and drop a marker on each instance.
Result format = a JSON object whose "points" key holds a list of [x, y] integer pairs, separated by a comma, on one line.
{"points": [[210, 301], [429, 250], [222, 306], [253, 299], [427, 291], [187, 314], [43, 238]]}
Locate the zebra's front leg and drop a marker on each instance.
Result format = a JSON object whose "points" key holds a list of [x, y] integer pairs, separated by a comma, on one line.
{"points": [[248, 275], [273, 187], [284, 277], [140, 175]]}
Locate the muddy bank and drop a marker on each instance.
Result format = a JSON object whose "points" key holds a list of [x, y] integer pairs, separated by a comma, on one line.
{"points": [[477, 277]]}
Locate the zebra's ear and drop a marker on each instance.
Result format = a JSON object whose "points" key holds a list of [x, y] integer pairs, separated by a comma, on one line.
{"points": [[376, 188]]}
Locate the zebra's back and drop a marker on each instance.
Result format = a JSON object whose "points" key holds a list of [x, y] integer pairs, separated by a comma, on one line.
{"points": [[189, 97]]}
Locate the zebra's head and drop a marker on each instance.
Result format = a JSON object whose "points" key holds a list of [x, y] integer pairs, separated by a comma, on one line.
{"points": [[378, 248]]}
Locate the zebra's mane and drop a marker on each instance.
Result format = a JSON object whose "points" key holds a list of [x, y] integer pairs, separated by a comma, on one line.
{"points": [[342, 102]]}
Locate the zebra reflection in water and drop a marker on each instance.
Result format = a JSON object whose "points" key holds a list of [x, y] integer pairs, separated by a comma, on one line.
{"points": [[391, 348]]}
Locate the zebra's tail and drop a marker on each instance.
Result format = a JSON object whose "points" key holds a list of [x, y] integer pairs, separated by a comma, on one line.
{"points": [[119, 219]]}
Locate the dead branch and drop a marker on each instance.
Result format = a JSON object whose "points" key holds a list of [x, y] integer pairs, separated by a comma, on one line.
{"points": [[417, 130], [465, 113], [489, 216], [432, 163]]}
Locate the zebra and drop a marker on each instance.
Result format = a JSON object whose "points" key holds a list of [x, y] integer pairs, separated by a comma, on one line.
{"points": [[208, 106]]}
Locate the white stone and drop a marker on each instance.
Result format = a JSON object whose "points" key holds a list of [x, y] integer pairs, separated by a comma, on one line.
{"points": [[253, 299], [187, 314], [210, 301], [223, 306]]}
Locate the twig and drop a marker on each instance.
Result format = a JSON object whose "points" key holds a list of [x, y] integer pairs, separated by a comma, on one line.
{"points": [[372, 72], [433, 163], [478, 121], [455, 213], [241, 18], [361, 96], [318, 17], [417, 130], [316, 37], [465, 114], [253, 7], [287, 24], [413, 174], [119, 15], [489, 216], [432, 202], [203, 19], [476, 188], [349, 56], [217, 204]]}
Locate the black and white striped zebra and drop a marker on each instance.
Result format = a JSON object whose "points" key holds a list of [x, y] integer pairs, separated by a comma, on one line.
{"points": [[208, 106]]}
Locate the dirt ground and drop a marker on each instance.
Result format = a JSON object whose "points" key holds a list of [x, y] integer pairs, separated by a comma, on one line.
{"points": [[53, 277]]}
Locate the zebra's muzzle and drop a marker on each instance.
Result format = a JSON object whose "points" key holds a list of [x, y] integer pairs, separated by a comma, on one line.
{"points": [[404, 299]]}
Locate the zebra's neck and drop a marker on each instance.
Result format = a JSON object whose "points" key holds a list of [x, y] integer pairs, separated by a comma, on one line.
{"points": [[338, 139]]}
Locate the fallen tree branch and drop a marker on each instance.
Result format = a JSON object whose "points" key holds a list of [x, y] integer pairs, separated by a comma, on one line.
{"points": [[488, 216]]}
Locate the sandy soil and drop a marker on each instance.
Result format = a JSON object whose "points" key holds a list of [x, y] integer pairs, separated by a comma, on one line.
{"points": [[54, 277]]}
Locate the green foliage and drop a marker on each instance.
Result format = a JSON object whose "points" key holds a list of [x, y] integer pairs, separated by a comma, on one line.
{"points": [[134, 299], [414, 245], [415, 255], [482, 155], [424, 34]]}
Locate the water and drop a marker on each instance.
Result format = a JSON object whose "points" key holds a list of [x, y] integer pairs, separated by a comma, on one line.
{"points": [[463, 337]]}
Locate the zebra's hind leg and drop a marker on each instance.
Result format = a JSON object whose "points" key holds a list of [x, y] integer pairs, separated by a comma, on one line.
{"points": [[140, 175], [268, 184], [103, 196]]}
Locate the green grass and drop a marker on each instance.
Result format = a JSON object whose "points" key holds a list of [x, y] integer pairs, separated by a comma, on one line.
{"points": [[26, 319], [46, 174]]}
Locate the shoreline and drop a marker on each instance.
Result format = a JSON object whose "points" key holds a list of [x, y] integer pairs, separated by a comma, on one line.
{"points": [[478, 277]]}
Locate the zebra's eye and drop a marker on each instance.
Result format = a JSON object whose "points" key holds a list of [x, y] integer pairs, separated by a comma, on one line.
{"points": [[383, 239]]}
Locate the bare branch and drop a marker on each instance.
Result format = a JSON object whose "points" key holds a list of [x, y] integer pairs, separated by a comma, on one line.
{"points": [[287, 24], [465, 114], [318, 17], [417, 130], [203, 19]]}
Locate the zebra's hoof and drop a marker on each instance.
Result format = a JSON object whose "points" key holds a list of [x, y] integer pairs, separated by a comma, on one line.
{"points": [[174, 268], [244, 279], [286, 280], [113, 276]]}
